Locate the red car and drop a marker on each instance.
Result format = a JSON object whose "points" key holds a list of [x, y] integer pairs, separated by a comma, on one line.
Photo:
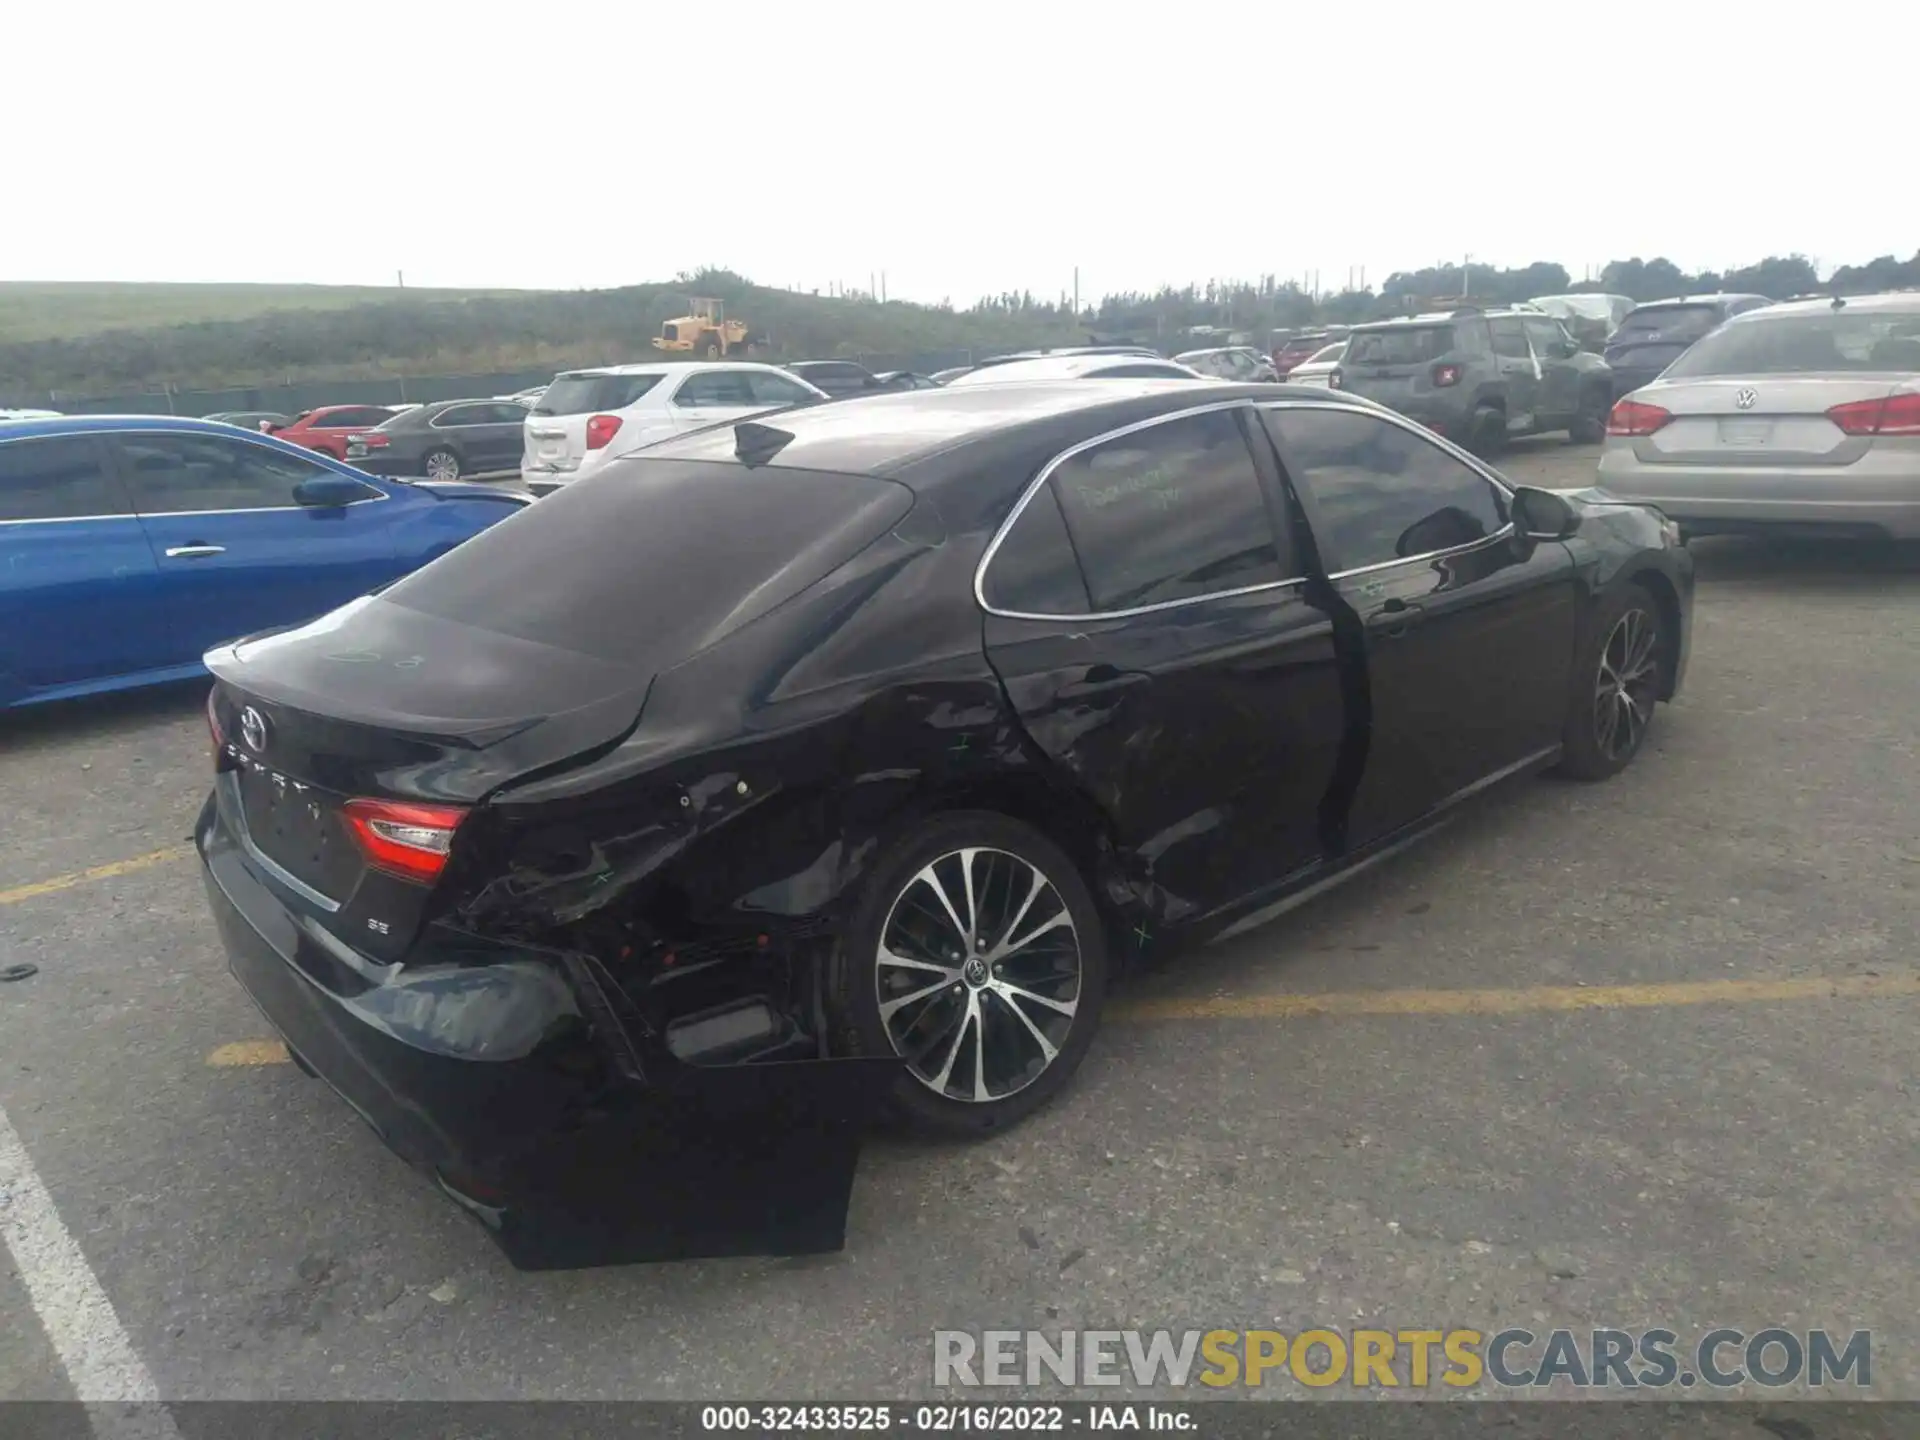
{"points": [[327, 428], [1297, 350]]}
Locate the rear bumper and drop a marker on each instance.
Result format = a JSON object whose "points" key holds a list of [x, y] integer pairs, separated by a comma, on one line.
{"points": [[1879, 494], [501, 1073]]}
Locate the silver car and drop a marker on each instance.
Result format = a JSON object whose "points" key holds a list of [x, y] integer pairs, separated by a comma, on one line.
{"points": [[1320, 368], [1803, 416]]}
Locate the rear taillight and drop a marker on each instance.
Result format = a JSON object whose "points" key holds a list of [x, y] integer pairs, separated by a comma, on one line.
{"points": [[1890, 415], [1445, 375], [410, 841], [601, 429], [1333, 379], [1632, 417]]}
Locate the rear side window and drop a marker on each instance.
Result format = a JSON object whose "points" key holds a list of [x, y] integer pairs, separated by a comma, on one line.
{"points": [[455, 415], [58, 477], [1509, 338], [1035, 572], [588, 394], [1170, 512], [767, 388], [353, 419], [1414, 345]]}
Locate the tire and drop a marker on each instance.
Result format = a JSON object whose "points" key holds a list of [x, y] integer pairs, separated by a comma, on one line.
{"points": [[711, 350], [976, 1009], [441, 464], [1626, 642], [1487, 432], [1590, 425]]}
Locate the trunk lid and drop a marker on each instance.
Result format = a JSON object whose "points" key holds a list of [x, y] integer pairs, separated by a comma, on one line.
{"points": [[510, 657], [1759, 420]]}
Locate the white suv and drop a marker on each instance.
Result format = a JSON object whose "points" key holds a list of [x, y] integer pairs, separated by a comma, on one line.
{"points": [[588, 417]]}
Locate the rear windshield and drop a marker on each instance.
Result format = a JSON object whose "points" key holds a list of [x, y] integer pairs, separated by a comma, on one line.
{"points": [[1411, 346], [580, 394], [1807, 344], [652, 548], [1668, 322]]}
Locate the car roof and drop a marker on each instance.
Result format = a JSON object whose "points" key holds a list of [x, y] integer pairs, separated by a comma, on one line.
{"points": [[666, 367], [1058, 367], [95, 424], [1891, 302], [1717, 297], [895, 435]]}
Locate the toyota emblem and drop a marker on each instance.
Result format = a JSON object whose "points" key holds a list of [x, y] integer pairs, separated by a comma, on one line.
{"points": [[1744, 400], [253, 729]]}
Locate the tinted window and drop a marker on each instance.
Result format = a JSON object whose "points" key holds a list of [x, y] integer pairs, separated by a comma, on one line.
{"points": [[714, 387], [463, 415], [1788, 344], [1547, 337], [175, 474], [1035, 571], [835, 377], [1682, 324], [353, 419], [56, 478], [585, 394], [1384, 493], [1167, 513], [1412, 345], [768, 388], [505, 412], [1509, 337]]}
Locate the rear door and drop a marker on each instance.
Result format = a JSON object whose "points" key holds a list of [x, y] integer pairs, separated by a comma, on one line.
{"points": [[78, 585], [706, 397], [1519, 370], [1469, 636], [234, 551], [1151, 625], [1553, 352]]}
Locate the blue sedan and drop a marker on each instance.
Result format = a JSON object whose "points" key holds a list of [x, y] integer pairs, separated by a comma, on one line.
{"points": [[131, 545]]}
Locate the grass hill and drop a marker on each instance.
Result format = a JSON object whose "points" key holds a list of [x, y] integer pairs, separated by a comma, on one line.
{"points": [[103, 339]]}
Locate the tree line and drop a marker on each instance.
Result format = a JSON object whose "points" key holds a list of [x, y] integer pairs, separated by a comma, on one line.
{"points": [[568, 328]]}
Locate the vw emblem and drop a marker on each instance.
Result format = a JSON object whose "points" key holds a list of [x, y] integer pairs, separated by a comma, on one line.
{"points": [[1744, 399], [253, 729]]}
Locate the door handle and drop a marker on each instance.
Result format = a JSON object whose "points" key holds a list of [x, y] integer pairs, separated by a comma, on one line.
{"points": [[194, 552], [1396, 618], [1101, 677]]}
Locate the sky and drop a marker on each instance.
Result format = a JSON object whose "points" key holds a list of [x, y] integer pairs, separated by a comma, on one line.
{"points": [[960, 149]]}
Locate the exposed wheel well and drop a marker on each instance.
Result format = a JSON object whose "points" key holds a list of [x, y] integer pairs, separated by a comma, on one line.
{"points": [[1668, 599]]}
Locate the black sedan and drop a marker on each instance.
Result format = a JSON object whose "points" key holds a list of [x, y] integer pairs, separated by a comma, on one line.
{"points": [[446, 440], [618, 865]]}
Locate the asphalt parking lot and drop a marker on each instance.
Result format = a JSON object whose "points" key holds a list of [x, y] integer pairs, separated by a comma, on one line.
{"points": [[1628, 1055]]}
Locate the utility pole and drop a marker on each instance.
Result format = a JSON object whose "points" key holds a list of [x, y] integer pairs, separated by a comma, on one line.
{"points": [[883, 287], [400, 278], [1076, 291], [1466, 278]]}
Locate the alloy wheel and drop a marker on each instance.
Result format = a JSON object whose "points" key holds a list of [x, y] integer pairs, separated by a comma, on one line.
{"points": [[442, 466], [1625, 687], [978, 974]]}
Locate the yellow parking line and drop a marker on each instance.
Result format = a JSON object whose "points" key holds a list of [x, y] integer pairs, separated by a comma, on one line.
{"points": [[98, 872], [1517, 1001], [1409, 1002], [249, 1052]]}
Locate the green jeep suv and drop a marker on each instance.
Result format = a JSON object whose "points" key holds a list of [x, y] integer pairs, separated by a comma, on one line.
{"points": [[1481, 376]]}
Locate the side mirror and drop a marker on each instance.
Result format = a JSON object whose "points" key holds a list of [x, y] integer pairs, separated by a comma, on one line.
{"points": [[328, 492], [1543, 515]]}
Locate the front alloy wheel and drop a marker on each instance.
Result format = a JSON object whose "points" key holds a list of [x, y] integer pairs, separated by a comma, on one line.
{"points": [[1626, 686], [978, 974]]}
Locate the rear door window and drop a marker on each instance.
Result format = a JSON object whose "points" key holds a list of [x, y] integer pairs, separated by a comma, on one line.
{"points": [[457, 415], [1173, 511], [359, 418], [1509, 337], [1034, 570], [713, 387], [56, 477], [1414, 345]]}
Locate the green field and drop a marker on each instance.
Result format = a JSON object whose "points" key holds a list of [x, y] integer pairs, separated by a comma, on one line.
{"points": [[67, 310]]}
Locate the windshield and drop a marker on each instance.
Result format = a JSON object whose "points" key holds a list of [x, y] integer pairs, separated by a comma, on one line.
{"points": [[1410, 346], [1807, 344], [1676, 324], [580, 394]]}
